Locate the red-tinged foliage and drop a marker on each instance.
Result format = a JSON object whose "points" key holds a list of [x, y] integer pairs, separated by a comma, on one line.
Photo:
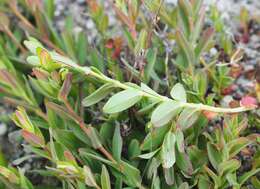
{"points": [[209, 115], [249, 102], [116, 45], [229, 89], [94, 7], [236, 71], [110, 43], [127, 21], [7, 78], [39, 74], [69, 156], [32, 138]]}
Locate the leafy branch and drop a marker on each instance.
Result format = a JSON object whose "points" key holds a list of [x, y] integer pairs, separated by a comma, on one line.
{"points": [[132, 93]]}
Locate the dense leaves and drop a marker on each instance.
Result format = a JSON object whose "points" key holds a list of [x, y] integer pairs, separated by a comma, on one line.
{"points": [[135, 108]]}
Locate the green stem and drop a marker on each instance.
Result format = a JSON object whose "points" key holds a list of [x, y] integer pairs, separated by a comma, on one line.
{"points": [[201, 107], [103, 78]]}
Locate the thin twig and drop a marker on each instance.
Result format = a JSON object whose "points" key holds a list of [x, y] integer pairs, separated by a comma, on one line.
{"points": [[158, 97], [87, 130], [11, 35]]}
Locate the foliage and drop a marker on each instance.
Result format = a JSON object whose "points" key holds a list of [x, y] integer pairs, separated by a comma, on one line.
{"points": [[130, 111]]}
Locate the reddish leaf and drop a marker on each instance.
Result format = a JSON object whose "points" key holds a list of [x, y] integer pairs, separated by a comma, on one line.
{"points": [[94, 7], [249, 102], [40, 74], [110, 43], [65, 89], [33, 139], [209, 115], [69, 156], [228, 89], [8, 78]]}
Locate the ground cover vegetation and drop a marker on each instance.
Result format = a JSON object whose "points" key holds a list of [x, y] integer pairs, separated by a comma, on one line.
{"points": [[137, 107]]}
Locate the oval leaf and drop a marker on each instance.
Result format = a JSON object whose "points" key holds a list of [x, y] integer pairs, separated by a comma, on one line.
{"points": [[187, 118], [122, 101], [178, 93], [168, 150], [164, 113]]}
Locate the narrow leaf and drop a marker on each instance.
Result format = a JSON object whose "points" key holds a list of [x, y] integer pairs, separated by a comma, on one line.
{"points": [[105, 179], [98, 95], [168, 150], [117, 143]]}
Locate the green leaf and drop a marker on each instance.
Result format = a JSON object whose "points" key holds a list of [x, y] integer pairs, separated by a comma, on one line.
{"points": [[236, 145], [89, 177], [134, 149], [32, 44], [149, 155], [169, 176], [149, 67], [117, 143], [204, 182], [154, 138], [50, 8], [82, 44], [184, 185], [187, 118], [24, 182], [178, 93], [122, 101], [185, 47], [200, 83], [228, 166], [67, 138], [183, 162], [247, 175], [147, 89], [185, 11], [255, 182], [153, 168], [232, 180], [180, 140], [214, 155], [197, 157], [165, 112], [168, 150], [215, 178], [98, 95], [105, 179], [132, 175], [204, 41], [141, 42]]}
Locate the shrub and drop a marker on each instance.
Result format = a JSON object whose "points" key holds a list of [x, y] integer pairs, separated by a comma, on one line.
{"points": [[133, 111]]}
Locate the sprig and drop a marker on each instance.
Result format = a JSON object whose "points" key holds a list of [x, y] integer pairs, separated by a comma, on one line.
{"points": [[141, 91]]}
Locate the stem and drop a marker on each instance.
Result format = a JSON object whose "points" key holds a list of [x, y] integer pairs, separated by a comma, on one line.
{"points": [[103, 78], [81, 108], [15, 103], [27, 23], [15, 10], [40, 113], [10, 34], [82, 125], [200, 107]]}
